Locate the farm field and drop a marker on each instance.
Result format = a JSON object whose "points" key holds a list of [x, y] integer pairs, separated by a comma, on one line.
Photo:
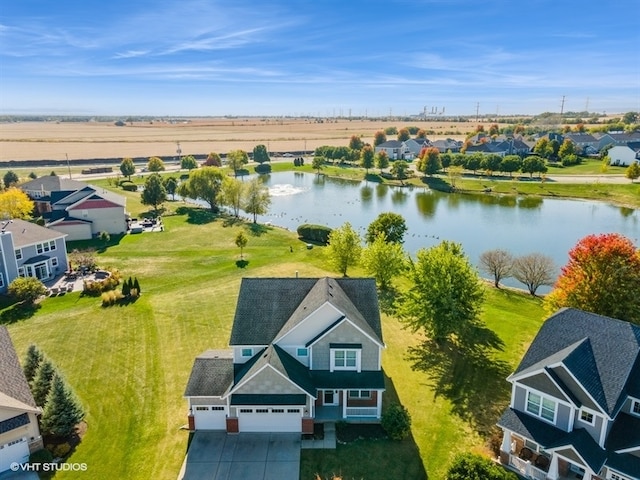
{"points": [[53, 141]]}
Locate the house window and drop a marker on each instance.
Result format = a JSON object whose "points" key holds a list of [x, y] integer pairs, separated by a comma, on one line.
{"points": [[247, 352], [21, 271], [1, 280], [587, 417], [541, 407], [54, 262], [635, 407], [616, 476], [302, 352], [345, 359], [18, 253], [262, 410], [246, 410], [359, 393], [202, 409], [277, 410], [293, 410], [217, 409]]}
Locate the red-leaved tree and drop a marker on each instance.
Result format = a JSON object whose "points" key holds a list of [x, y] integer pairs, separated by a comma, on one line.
{"points": [[602, 276]]}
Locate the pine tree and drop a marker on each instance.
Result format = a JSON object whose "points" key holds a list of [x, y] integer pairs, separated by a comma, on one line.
{"points": [[126, 288], [63, 411], [31, 362], [42, 381], [136, 286]]}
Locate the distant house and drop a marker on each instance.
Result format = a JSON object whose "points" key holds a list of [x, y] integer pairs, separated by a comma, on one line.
{"points": [[309, 351], [395, 149], [414, 146], [575, 401], [447, 145], [586, 144], [617, 138], [81, 211], [29, 250], [624, 155], [19, 431]]}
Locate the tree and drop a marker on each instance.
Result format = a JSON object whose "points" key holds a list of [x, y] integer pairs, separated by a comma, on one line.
{"points": [[602, 276], [31, 362], [391, 225], [533, 165], [62, 411], [127, 167], [497, 263], [14, 203], [396, 421], [510, 164], [399, 170], [633, 171], [446, 294], [231, 194], [429, 162], [356, 143], [382, 160], [237, 160], [205, 184], [534, 270], [491, 163], [33, 175], [135, 287], [366, 158], [42, 381], [171, 186], [188, 162], [471, 466], [260, 154], [256, 199], [154, 193], [543, 148], [26, 290], [383, 260], [317, 163], [10, 179], [345, 248], [213, 160], [379, 137], [567, 148], [241, 242], [404, 134], [155, 164]]}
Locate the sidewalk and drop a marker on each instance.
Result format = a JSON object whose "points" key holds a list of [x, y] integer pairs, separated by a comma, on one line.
{"points": [[328, 442]]}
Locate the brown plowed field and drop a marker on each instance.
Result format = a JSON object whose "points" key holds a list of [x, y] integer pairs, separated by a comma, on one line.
{"points": [[53, 141]]}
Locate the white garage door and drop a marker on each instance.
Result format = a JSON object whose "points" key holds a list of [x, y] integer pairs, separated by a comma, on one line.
{"points": [[16, 451], [270, 419], [210, 417]]}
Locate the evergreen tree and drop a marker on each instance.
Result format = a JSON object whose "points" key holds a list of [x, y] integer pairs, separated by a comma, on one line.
{"points": [[136, 286], [42, 381], [63, 411], [126, 288], [31, 362]]}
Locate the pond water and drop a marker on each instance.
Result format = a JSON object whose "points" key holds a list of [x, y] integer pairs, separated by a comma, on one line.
{"points": [[479, 222]]}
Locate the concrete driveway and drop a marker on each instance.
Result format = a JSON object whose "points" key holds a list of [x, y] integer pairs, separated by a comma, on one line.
{"points": [[243, 456]]}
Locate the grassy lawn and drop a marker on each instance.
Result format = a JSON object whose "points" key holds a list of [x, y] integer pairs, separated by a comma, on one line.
{"points": [[129, 364]]}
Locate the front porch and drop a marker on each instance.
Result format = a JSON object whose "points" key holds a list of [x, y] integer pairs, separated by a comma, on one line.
{"points": [[354, 415], [357, 406]]}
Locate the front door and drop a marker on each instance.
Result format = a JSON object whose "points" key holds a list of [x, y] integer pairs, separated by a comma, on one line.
{"points": [[331, 397]]}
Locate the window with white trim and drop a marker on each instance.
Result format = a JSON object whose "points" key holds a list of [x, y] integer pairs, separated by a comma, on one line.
{"points": [[247, 352], [635, 407], [344, 359], [54, 262], [587, 417], [541, 406], [18, 253], [1, 280], [360, 394], [46, 246], [21, 271], [302, 352], [616, 476]]}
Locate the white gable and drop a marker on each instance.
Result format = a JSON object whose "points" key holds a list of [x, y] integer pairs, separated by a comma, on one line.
{"points": [[310, 327]]}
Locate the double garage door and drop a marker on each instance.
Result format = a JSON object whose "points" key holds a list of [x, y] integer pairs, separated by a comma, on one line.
{"points": [[276, 419], [16, 451]]}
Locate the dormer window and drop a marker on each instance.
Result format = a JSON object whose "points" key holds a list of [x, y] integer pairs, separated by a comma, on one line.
{"points": [[587, 417]]}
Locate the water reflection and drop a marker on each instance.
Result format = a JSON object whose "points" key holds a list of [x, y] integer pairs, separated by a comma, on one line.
{"points": [[530, 202], [399, 196], [426, 202], [366, 193]]}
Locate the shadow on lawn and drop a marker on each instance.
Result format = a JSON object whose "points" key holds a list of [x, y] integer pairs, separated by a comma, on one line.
{"points": [[17, 312], [468, 376], [196, 215]]}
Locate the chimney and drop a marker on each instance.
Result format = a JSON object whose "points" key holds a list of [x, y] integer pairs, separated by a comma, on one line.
{"points": [[296, 273]]}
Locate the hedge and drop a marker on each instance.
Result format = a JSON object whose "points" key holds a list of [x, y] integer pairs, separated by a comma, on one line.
{"points": [[315, 233]]}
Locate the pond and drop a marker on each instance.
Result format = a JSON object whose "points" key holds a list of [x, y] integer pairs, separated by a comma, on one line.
{"points": [[479, 222]]}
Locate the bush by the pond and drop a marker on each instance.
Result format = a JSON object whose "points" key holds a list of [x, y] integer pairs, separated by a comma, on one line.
{"points": [[315, 233], [129, 186]]}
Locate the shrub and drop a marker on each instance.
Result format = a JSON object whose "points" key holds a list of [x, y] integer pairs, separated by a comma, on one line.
{"points": [[91, 288], [26, 289], [263, 168], [41, 456], [471, 466], [61, 450], [129, 186], [315, 233], [396, 421]]}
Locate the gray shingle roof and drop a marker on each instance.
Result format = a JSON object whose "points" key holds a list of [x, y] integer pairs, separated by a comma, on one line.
{"points": [[27, 233], [13, 383], [372, 379], [600, 352], [52, 183], [211, 375], [625, 433], [266, 305]]}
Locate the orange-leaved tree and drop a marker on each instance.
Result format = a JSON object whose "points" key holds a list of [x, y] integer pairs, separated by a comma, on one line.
{"points": [[602, 276]]}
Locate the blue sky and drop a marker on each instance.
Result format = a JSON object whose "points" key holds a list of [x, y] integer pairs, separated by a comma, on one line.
{"points": [[317, 57]]}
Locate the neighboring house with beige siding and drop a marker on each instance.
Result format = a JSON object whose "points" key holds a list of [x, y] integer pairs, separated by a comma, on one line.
{"points": [[308, 351]]}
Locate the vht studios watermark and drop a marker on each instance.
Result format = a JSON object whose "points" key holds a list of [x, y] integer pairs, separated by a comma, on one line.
{"points": [[49, 467]]}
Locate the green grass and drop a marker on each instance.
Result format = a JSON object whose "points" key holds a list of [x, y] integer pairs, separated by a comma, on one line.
{"points": [[130, 364]]}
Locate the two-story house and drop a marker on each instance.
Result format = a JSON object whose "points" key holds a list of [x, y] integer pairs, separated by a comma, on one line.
{"points": [[29, 250], [19, 431], [575, 401], [303, 350], [80, 210]]}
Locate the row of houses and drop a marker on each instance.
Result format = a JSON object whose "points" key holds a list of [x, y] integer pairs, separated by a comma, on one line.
{"points": [[624, 147]]}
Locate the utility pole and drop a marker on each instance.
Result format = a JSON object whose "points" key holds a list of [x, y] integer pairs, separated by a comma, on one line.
{"points": [[562, 106], [477, 110], [586, 107], [68, 166]]}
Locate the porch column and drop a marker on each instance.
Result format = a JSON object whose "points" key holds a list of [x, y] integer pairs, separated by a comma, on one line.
{"points": [[379, 404], [343, 397], [553, 474], [506, 442]]}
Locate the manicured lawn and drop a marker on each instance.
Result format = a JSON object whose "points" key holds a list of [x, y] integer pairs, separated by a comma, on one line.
{"points": [[129, 364]]}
